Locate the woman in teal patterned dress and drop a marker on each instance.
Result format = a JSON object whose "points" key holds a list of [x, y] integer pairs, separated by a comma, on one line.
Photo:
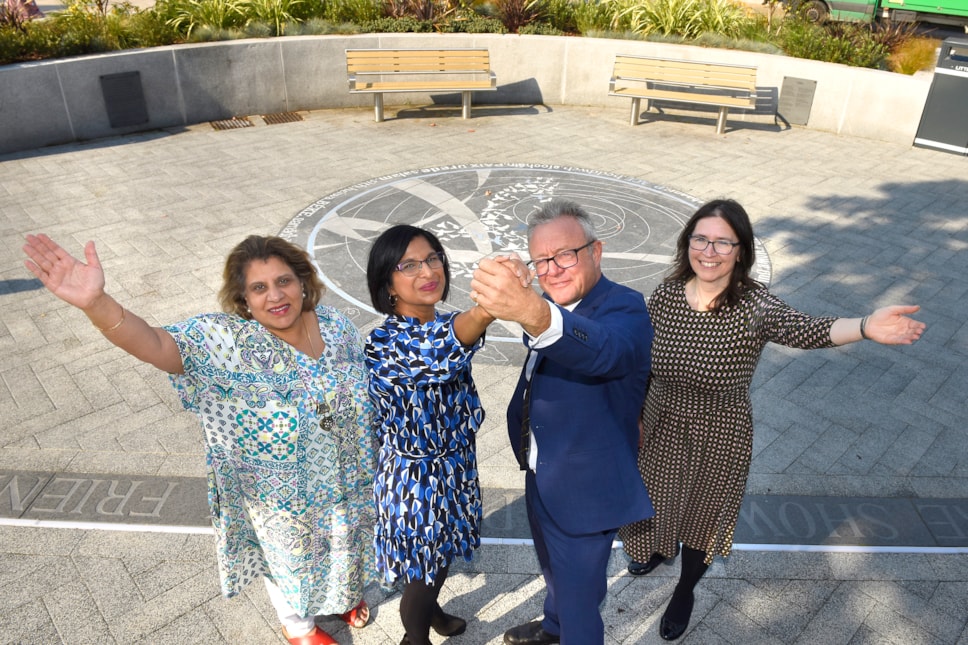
{"points": [[427, 494], [279, 384]]}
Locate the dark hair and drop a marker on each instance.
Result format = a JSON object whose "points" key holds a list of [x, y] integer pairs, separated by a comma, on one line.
{"points": [[385, 255], [738, 220], [257, 247], [562, 208]]}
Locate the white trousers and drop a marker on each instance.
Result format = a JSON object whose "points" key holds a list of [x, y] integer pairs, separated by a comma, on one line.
{"points": [[295, 624]]}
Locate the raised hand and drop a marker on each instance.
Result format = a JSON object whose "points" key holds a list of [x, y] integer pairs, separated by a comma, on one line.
{"points": [[891, 326], [73, 281]]}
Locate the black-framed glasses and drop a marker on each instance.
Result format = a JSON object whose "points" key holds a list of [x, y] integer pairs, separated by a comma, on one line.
{"points": [[722, 247], [411, 268], [564, 260]]}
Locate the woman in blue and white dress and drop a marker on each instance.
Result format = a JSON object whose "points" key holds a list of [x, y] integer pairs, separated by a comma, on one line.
{"points": [[428, 413]]}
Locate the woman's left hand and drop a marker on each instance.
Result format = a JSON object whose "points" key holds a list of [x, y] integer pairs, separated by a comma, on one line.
{"points": [[891, 325]]}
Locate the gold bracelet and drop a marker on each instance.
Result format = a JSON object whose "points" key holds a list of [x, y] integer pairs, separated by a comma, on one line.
{"points": [[113, 327], [863, 324]]}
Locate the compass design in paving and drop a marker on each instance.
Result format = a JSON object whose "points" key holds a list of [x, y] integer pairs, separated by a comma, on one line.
{"points": [[481, 209]]}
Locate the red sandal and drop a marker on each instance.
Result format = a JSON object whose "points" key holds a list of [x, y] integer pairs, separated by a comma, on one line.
{"points": [[315, 637], [358, 616]]}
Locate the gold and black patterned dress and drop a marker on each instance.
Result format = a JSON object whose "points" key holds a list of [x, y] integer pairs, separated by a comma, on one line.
{"points": [[697, 419]]}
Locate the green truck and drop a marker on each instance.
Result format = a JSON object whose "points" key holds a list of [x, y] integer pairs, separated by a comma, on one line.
{"points": [[942, 12]]}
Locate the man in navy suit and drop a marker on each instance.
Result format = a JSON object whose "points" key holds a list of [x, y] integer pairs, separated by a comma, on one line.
{"points": [[573, 418]]}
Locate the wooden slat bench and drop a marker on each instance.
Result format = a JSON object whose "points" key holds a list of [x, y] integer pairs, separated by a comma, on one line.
{"points": [[378, 71], [717, 84]]}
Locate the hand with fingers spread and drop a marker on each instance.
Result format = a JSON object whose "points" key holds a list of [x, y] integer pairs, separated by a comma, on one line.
{"points": [[68, 278]]}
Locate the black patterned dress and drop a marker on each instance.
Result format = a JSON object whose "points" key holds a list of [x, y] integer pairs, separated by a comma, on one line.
{"points": [[697, 419], [428, 412]]}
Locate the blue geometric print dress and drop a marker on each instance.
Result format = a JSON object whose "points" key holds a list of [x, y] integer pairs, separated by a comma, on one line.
{"points": [[428, 413]]}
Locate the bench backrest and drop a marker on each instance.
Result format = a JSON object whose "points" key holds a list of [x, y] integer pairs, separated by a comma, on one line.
{"points": [[417, 61], [645, 68]]}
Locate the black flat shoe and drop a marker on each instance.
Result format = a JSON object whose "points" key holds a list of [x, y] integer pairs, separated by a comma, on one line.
{"points": [[530, 634], [670, 629], [642, 568], [447, 625]]}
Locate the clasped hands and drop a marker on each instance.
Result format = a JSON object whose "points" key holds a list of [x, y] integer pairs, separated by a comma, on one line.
{"points": [[502, 286]]}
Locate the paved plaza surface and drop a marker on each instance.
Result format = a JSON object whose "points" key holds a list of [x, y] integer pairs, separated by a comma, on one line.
{"points": [[855, 529]]}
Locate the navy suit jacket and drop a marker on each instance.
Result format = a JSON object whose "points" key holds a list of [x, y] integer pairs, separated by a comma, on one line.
{"points": [[586, 396]]}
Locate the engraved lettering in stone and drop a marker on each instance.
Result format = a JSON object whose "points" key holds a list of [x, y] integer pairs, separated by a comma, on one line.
{"points": [[121, 500], [867, 512], [837, 524], [160, 502], [788, 509], [16, 500], [90, 491], [752, 513], [55, 485], [945, 522]]}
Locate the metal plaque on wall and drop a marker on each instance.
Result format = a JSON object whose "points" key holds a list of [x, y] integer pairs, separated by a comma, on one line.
{"points": [[124, 99], [796, 99]]}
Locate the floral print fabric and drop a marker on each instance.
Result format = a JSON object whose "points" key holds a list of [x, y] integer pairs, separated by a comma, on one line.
{"points": [[427, 493], [290, 456]]}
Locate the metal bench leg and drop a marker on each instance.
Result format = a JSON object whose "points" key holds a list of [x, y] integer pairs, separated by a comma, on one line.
{"points": [[465, 103], [721, 121], [378, 107], [634, 119]]}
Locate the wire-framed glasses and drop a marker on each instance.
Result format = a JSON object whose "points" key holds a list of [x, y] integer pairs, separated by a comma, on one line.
{"points": [[411, 268], [722, 247], [564, 260]]}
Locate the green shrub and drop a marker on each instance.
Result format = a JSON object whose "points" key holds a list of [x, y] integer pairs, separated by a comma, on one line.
{"points": [[471, 24], [540, 29], [593, 16], [184, 16], [397, 26], [356, 11], [833, 42], [274, 14], [560, 14], [686, 18]]}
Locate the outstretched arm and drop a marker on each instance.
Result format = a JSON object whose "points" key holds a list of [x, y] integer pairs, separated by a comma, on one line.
{"points": [[887, 325], [81, 284]]}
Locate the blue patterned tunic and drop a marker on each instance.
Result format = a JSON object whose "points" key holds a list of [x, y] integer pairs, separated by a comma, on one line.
{"points": [[427, 494], [290, 456]]}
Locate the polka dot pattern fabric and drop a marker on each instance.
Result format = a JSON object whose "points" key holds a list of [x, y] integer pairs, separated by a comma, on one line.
{"points": [[697, 419]]}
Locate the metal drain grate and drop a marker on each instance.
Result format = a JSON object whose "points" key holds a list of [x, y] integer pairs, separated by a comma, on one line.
{"points": [[282, 117], [233, 123]]}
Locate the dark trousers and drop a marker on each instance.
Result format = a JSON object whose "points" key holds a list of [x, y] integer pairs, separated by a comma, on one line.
{"points": [[574, 568]]}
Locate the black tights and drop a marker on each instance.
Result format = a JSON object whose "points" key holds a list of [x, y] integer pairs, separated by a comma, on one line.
{"points": [[418, 606], [693, 568]]}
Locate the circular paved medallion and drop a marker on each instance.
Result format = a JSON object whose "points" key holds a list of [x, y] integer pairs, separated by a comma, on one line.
{"points": [[481, 209]]}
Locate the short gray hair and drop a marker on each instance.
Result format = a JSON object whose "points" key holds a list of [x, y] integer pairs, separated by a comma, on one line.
{"points": [[562, 208]]}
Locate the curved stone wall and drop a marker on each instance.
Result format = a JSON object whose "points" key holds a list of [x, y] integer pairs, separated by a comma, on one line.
{"points": [[61, 101]]}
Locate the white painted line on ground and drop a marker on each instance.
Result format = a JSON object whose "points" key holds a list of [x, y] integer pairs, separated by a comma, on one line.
{"points": [[790, 548]]}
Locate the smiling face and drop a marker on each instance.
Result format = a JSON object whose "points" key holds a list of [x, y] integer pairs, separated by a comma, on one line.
{"points": [[273, 294], [418, 294], [713, 268], [566, 286]]}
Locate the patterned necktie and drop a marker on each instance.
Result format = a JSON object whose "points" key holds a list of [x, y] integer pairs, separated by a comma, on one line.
{"points": [[524, 449]]}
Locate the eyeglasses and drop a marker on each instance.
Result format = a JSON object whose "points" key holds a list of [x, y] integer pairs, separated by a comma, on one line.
{"points": [[722, 247], [411, 268], [564, 260]]}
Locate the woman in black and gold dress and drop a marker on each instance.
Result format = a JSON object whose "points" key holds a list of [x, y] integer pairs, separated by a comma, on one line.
{"points": [[711, 323]]}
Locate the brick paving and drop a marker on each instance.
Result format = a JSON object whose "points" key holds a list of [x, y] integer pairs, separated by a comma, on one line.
{"points": [[849, 224]]}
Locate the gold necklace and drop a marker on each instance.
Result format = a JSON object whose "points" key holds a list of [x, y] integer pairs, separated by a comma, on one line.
{"points": [[312, 347]]}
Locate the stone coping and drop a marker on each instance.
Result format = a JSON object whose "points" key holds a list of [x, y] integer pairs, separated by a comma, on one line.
{"points": [[61, 101]]}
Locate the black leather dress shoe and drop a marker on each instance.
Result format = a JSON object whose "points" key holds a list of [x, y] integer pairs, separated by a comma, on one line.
{"points": [[670, 630], [530, 634], [642, 568]]}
